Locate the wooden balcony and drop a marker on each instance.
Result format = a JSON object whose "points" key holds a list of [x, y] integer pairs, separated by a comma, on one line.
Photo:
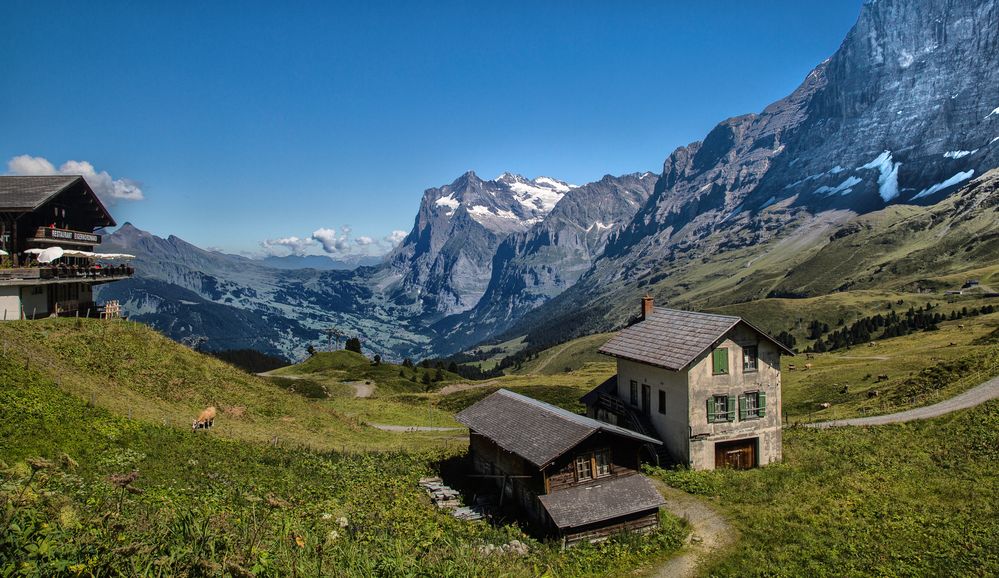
{"points": [[63, 273]]}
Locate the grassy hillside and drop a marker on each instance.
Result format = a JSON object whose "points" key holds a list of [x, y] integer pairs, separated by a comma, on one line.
{"points": [[921, 368], [342, 366], [201, 504], [571, 355], [913, 499], [134, 371]]}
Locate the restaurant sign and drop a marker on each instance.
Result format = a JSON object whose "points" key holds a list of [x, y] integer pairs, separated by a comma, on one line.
{"points": [[77, 236]]}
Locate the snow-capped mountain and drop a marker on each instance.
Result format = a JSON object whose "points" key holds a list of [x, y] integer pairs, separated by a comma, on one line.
{"points": [[531, 267], [443, 266]]}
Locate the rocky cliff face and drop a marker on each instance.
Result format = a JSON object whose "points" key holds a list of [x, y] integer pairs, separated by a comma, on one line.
{"points": [[444, 264], [906, 111], [533, 266]]}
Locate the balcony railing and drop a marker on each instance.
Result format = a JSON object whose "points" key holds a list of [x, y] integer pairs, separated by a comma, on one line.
{"points": [[66, 272]]}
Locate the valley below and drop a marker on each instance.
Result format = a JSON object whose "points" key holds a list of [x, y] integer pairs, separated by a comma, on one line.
{"points": [[294, 414]]}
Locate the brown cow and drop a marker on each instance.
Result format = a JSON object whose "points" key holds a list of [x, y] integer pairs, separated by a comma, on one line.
{"points": [[206, 419]]}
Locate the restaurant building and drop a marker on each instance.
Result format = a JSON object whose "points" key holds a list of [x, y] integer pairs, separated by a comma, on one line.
{"points": [[48, 233]]}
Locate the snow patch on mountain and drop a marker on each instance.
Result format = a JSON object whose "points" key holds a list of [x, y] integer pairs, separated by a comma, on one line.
{"points": [[958, 154], [995, 111], [888, 177], [958, 178], [449, 202], [843, 188]]}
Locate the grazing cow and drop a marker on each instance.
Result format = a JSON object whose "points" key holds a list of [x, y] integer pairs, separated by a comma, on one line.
{"points": [[872, 393], [790, 367], [809, 356], [825, 405], [808, 366], [846, 389], [206, 419], [883, 377]]}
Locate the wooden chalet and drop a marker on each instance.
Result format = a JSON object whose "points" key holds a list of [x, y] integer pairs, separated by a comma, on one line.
{"points": [[40, 212], [575, 478]]}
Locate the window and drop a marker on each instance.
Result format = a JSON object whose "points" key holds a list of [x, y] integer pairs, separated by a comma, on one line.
{"points": [[662, 401], [749, 358], [753, 405], [719, 361], [634, 393], [603, 462], [584, 467], [721, 408]]}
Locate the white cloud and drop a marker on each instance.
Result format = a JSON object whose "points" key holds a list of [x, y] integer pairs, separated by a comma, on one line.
{"points": [[331, 241], [109, 189], [395, 237], [294, 245]]}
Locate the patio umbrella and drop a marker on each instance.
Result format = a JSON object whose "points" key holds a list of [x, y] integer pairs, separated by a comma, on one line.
{"points": [[50, 254], [32, 251], [3, 253]]}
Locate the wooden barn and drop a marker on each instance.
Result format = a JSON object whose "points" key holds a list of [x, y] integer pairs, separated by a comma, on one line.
{"points": [[575, 478]]}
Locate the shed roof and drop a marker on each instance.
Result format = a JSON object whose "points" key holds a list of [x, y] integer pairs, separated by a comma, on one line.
{"points": [[672, 339], [601, 500], [534, 430], [27, 193]]}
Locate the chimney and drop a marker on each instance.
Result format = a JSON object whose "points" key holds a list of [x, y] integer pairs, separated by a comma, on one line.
{"points": [[647, 306]]}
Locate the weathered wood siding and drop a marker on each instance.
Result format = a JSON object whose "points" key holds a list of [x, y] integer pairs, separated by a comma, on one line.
{"points": [[624, 461], [640, 522], [490, 459]]}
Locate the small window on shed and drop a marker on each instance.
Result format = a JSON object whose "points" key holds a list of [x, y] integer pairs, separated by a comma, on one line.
{"points": [[584, 467], [719, 361], [603, 461]]}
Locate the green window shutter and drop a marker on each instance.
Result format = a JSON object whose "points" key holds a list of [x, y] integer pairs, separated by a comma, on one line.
{"points": [[762, 404], [719, 360], [742, 408], [711, 410], [731, 408]]}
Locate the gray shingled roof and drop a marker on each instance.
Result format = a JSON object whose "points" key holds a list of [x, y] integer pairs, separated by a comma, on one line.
{"points": [[532, 429], [672, 339], [601, 500], [29, 193]]}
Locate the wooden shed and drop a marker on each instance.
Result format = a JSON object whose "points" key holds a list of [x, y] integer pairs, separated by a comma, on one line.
{"points": [[575, 478]]}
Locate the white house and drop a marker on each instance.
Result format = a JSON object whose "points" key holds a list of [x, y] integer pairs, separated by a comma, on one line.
{"points": [[707, 385]]}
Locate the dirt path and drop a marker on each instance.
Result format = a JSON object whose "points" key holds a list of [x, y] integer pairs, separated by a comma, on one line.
{"points": [[361, 389], [975, 396], [448, 389], [709, 532], [874, 357], [548, 360], [410, 428], [272, 374]]}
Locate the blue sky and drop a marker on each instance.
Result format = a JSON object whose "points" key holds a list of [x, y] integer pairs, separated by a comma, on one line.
{"points": [[240, 122]]}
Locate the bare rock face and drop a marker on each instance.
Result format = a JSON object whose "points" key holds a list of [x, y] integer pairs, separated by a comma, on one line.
{"points": [[445, 263], [905, 112], [533, 266]]}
